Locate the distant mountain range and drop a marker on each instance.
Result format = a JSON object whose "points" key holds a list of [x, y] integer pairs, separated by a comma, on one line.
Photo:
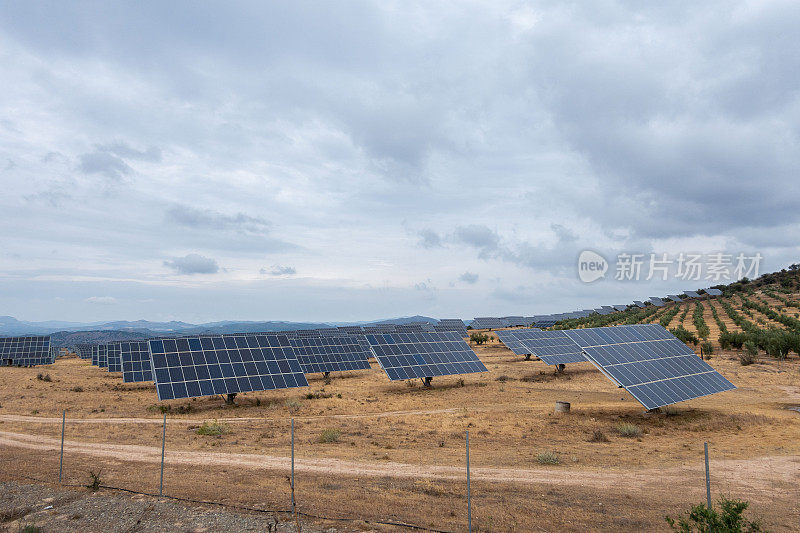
{"points": [[64, 333]]}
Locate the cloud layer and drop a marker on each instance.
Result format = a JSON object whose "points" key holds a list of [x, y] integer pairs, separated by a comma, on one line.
{"points": [[478, 148]]}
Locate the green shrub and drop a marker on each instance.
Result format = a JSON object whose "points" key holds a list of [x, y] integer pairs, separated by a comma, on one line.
{"points": [[751, 348], [212, 429], [685, 335], [626, 429], [330, 435], [707, 347], [548, 458], [94, 481], [478, 338], [704, 520]]}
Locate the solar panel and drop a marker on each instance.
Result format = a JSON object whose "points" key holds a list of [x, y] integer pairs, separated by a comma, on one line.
{"points": [[84, 351], [713, 292], [638, 303], [650, 363], [135, 357], [113, 355], [409, 328], [423, 355], [351, 330], [379, 328], [451, 324], [330, 354], [658, 302], [487, 322], [552, 347], [691, 294], [515, 321], [204, 366], [544, 323], [675, 298], [102, 356], [25, 351]]}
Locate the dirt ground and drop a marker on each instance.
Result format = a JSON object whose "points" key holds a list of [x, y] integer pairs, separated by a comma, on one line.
{"points": [[399, 450]]}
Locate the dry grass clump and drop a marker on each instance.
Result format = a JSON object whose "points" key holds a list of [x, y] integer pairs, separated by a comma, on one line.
{"points": [[329, 436], [548, 457], [598, 436], [628, 430], [212, 429]]}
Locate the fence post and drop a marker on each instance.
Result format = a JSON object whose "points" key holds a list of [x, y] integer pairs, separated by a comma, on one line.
{"points": [[293, 502], [61, 457], [163, 447], [469, 493], [708, 478]]}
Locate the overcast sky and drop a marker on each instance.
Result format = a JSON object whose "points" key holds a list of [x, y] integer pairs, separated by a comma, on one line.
{"points": [[343, 161]]}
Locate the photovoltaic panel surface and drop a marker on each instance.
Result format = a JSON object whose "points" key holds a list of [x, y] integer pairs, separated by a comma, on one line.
{"points": [[25, 351], [650, 363], [675, 298], [135, 357], [713, 292], [692, 294], [330, 354], [204, 366], [658, 302], [552, 347], [421, 355], [451, 324], [84, 350], [637, 303], [113, 352], [487, 322], [102, 356]]}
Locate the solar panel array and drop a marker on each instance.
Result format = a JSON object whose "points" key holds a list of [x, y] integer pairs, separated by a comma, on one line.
{"points": [[658, 302], [114, 357], [351, 330], [135, 357], [487, 322], [620, 307], [675, 298], [638, 303], [330, 354], [691, 294], [650, 363], [102, 356], [421, 355], [713, 292], [552, 347], [84, 351], [204, 366], [379, 328], [515, 321], [25, 351], [545, 323], [451, 324]]}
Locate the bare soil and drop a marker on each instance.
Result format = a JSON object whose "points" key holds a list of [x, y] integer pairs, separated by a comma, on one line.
{"points": [[400, 455]]}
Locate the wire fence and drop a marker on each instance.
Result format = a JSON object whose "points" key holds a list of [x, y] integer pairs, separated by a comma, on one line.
{"points": [[142, 460]]}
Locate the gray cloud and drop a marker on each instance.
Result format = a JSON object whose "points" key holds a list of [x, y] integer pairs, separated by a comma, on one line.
{"points": [[104, 163], [193, 264], [192, 217], [278, 270], [429, 239], [478, 236], [151, 154], [468, 277]]}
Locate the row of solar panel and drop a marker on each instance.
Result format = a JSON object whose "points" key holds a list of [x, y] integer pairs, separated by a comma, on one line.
{"points": [[26, 351], [646, 359]]}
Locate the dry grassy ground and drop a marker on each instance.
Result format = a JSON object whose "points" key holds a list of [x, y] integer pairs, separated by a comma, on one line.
{"points": [[400, 449]]}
